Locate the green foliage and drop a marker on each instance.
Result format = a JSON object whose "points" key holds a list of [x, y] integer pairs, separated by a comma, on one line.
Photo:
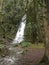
{"points": [[10, 17], [25, 44], [34, 31]]}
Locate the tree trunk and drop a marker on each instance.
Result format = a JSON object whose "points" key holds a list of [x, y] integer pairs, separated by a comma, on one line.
{"points": [[46, 27]]}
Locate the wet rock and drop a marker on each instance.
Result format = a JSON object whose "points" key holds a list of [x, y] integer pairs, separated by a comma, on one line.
{"points": [[19, 56], [4, 51]]}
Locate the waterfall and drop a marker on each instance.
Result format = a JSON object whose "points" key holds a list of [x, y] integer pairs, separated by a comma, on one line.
{"points": [[20, 33]]}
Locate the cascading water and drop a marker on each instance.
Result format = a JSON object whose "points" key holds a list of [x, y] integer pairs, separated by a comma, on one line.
{"points": [[20, 33]]}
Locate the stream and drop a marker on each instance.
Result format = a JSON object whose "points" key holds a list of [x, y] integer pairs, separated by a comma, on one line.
{"points": [[11, 55]]}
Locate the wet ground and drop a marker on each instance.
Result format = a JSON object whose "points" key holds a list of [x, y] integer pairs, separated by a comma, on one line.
{"points": [[21, 56]]}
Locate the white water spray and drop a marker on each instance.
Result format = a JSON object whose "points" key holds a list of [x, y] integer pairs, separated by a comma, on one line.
{"points": [[20, 33]]}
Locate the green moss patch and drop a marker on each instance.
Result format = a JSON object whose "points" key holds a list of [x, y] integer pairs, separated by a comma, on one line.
{"points": [[28, 44]]}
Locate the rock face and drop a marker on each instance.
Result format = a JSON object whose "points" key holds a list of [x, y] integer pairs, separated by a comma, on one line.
{"points": [[19, 56]]}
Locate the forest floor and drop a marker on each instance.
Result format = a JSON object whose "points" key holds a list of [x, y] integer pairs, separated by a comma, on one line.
{"points": [[22, 56]]}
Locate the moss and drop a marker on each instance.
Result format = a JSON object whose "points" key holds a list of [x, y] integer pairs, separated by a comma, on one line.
{"points": [[30, 45]]}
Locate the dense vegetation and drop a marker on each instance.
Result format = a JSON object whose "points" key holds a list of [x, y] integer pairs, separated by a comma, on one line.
{"points": [[11, 13]]}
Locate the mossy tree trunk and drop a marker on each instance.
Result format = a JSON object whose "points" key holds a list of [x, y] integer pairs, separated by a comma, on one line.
{"points": [[46, 27]]}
